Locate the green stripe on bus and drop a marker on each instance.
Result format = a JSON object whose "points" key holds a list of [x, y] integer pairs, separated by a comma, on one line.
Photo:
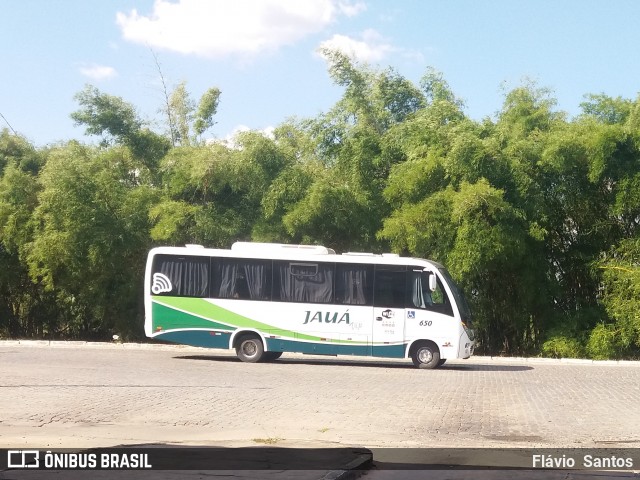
{"points": [[215, 313], [196, 338], [284, 345], [167, 318], [199, 338]]}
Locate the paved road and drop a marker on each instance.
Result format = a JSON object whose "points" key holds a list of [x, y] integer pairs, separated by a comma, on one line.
{"points": [[92, 395]]}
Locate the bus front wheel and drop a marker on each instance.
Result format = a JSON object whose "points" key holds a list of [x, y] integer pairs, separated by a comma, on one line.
{"points": [[425, 355], [250, 349]]}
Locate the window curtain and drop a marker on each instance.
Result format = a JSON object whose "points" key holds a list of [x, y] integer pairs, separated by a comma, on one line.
{"points": [[189, 276], [196, 278], [353, 284], [243, 279], [172, 268], [296, 285], [228, 274], [257, 281], [417, 294]]}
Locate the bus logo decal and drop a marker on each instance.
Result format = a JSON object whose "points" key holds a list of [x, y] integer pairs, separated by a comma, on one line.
{"points": [[329, 317], [161, 284]]}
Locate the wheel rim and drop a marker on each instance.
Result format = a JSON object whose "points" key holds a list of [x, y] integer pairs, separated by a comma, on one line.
{"points": [[249, 348], [425, 355]]}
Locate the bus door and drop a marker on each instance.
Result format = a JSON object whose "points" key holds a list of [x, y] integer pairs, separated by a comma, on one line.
{"points": [[389, 299], [429, 311]]}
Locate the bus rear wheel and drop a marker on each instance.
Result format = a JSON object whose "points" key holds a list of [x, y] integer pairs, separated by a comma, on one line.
{"points": [[250, 349], [425, 355]]}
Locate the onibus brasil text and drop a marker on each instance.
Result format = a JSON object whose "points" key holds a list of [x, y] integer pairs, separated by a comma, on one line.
{"points": [[78, 460]]}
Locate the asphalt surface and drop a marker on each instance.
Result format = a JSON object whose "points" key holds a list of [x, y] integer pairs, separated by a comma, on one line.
{"points": [[82, 395]]}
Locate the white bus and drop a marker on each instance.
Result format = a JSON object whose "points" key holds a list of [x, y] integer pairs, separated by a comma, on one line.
{"points": [[263, 299]]}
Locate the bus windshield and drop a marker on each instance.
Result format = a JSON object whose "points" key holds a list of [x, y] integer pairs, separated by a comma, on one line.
{"points": [[459, 297]]}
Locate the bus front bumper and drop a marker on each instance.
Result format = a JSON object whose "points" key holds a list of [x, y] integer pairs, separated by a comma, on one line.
{"points": [[467, 344]]}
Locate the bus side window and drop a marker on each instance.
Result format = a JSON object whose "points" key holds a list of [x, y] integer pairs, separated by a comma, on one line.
{"points": [[390, 286], [303, 282], [242, 279], [439, 297], [186, 276], [354, 284], [440, 301], [421, 295]]}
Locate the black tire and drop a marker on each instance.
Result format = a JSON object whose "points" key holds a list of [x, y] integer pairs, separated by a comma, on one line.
{"points": [[441, 361], [271, 356], [250, 349], [425, 355]]}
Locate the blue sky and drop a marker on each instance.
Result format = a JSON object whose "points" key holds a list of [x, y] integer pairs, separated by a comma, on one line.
{"points": [[262, 54]]}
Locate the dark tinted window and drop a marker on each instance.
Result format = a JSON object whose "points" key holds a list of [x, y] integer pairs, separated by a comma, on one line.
{"points": [[180, 276], [303, 282], [390, 286], [242, 279], [354, 284]]}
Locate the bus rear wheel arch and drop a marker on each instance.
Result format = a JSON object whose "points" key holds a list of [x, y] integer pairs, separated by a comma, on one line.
{"points": [[425, 355], [249, 348]]}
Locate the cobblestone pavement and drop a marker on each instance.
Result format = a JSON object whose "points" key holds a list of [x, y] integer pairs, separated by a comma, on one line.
{"points": [[69, 395]]}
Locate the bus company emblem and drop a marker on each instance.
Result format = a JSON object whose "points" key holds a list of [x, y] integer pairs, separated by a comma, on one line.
{"points": [[161, 284], [387, 313], [326, 317]]}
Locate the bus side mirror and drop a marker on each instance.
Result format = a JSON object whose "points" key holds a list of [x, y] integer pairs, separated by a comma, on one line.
{"points": [[433, 282]]}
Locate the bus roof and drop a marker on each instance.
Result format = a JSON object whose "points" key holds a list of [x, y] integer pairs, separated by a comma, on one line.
{"points": [[275, 251], [262, 248]]}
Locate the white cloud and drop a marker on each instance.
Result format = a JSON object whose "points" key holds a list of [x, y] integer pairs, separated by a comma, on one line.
{"points": [[371, 47], [352, 9], [215, 28], [98, 72], [413, 56], [231, 139], [269, 132]]}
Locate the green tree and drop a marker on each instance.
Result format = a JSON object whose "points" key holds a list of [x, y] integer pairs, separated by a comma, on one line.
{"points": [[207, 109], [188, 121], [25, 308], [461, 194], [118, 123], [213, 193], [621, 337], [349, 142], [606, 109], [91, 239]]}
